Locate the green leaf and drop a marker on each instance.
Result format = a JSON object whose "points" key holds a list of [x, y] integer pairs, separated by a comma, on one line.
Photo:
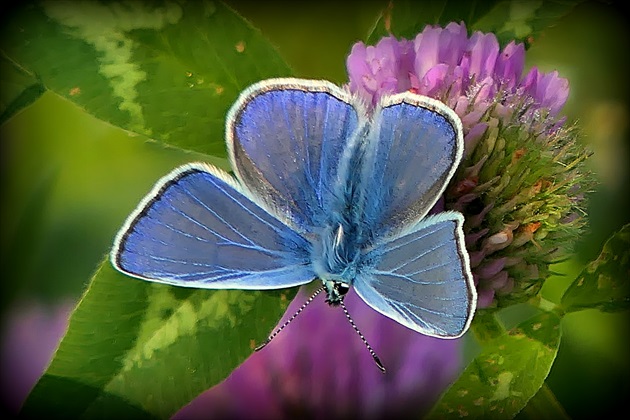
{"points": [[523, 21], [486, 326], [151, 347], [604, 283], [407, 18], [509, 20], [19, 88], [507, 373], [543, 406], [41, 406], [169, 72]]}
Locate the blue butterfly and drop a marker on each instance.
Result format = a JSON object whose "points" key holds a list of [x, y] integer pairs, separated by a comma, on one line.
{"points": [[325, 189]]}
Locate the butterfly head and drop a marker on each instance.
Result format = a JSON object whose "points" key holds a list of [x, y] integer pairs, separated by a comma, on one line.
{"points": [[336, 290]]}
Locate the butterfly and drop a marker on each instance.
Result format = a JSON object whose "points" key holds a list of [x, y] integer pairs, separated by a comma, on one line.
{"points": [[324, 188]]}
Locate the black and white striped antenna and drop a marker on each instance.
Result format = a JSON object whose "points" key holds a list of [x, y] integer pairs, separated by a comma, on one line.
{"points": [[374, 356], [276, 332], [378, 362]]}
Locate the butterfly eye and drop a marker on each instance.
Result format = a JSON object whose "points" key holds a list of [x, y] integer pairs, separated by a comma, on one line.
{"points": [[342, 288]]}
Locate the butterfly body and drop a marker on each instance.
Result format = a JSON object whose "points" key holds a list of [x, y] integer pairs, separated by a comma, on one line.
{"points": [[325, 189], [336, 260]]}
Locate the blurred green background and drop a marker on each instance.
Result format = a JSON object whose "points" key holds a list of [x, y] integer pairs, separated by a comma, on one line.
{"points": [[69, 180]]}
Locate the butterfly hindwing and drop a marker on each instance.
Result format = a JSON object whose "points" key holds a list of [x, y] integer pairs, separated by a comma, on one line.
{"points": [[421, 279], [196, 229]]}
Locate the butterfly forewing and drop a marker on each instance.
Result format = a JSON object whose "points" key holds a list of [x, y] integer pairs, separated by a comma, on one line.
{"points": [[415, 145], [287, 139]]}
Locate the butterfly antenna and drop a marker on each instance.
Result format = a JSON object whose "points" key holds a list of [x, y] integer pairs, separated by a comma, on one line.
{"points": [[304, 305], [374, 356]]}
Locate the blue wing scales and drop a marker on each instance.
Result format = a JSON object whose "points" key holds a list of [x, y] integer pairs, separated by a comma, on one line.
{"points": [[421, 279], [413, 149], [196, 229], [288, 140]]}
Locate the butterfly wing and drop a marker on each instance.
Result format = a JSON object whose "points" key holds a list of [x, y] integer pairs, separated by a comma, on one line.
{"points": [[288, 139], [422, 279], [197, 229], [414, 146]]}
